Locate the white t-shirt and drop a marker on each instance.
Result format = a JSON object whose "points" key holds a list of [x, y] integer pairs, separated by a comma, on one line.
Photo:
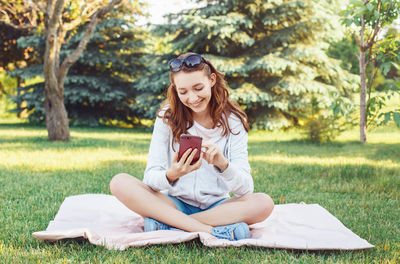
{"points": [[211, 134], [208, 133]]}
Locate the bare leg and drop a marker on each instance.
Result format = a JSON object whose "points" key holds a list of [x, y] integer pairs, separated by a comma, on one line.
{"points": [[250, 208], [143, 200]]}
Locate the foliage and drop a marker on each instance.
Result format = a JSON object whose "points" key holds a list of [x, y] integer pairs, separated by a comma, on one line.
{"points": [[325, 124], [346, 50], [273, 55], [16, 20], [378, 112], [370, 17], [387, 59], [150, 87], [373, 11], [98, 88], [6, 83], [391, 115]]}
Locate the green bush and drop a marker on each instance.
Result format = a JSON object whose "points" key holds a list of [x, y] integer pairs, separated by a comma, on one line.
{"points": [[324, 125]]}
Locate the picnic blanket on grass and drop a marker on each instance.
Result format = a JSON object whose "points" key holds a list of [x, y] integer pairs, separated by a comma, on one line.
{"points": [[104, 220]]}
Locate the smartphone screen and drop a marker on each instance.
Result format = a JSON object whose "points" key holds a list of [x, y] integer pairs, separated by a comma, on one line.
{"points": [[189, 141]]}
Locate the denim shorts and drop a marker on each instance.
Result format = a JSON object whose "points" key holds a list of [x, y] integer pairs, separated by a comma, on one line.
{"points": [[190, 209]]}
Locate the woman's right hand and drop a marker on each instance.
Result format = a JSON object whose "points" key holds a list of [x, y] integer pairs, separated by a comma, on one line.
{"points": [[182, 167]]}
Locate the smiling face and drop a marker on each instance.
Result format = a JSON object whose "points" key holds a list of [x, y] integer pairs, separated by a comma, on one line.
{"points": [[194, 90]]}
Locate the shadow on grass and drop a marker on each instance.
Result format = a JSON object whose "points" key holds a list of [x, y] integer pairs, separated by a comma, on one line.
{"points": [[308, 178], [43, 143], [351, 149], [98, 129], [135, 138], [390, 151], [13, 126]]}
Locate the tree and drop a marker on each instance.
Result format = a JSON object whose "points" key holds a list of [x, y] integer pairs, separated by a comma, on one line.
{"points": [[98, 88], [17, 19], [11, 28], [344, 50], [272, 52], [60, 19], [370, 16]]}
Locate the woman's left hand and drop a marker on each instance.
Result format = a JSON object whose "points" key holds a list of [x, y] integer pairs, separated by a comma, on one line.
{"points": [[213, 155]]}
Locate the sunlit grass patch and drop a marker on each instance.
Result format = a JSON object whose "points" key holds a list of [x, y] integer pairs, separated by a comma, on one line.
{"points": [[78, 159]]}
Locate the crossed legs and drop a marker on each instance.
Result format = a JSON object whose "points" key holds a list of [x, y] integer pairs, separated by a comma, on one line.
{"points": [[140, 198]]}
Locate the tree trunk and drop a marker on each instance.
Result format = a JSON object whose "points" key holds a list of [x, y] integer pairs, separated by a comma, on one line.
{"points": [[363, 92], [56, 116], [54, 73], [18, 94]]}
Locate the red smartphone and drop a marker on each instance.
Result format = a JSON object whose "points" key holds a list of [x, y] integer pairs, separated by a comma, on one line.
{"points": [[189, 141]]}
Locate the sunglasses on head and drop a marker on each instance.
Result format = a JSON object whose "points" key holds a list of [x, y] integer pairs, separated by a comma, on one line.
{"points": [[191, 61]]}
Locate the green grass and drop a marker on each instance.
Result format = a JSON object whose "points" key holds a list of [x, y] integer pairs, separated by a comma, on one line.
{"points": [[358, 184]]}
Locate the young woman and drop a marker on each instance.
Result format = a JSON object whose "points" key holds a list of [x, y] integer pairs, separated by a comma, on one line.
{"points": [[176, 195]]}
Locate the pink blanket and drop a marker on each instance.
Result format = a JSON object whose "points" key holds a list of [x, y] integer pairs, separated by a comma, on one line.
{"points": [[103, 220]]}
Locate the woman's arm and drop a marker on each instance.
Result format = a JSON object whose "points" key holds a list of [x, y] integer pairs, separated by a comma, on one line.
{"points": [[158, 158], [161, 172]]}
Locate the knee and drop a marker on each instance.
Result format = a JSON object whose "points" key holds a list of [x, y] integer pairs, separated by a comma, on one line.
{"points": [[263, 205], [118, 181]]}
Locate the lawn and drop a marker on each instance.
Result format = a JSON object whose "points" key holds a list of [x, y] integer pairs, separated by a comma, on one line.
{"points": [[358, 184]]}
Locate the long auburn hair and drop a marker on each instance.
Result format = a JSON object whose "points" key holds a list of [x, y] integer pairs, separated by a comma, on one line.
{"points": [[179, 117]]}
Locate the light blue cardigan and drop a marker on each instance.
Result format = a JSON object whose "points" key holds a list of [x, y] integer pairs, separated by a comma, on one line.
{"points": [[207, 185]]}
